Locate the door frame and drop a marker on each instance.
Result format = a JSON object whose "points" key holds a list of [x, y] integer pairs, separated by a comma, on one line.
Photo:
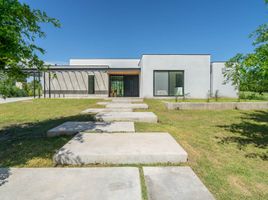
{"points": [[109, 87]]}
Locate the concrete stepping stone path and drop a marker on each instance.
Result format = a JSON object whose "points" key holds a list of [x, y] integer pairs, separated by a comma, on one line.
{"points": [[101, 110], [118, 148], [71, 128], [126, 100], [127, 105], [149, 117], [174, 183], [115, 183]]}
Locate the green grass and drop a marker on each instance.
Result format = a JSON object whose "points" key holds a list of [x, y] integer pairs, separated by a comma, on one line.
{"points": [[23, 127], [227, 149]]}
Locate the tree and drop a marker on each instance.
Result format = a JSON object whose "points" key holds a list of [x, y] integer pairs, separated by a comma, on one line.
{"points": [[19, 28], [250, 71]]}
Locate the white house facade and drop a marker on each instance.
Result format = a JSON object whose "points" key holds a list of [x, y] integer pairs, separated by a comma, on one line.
{"points": [[151, 76]]}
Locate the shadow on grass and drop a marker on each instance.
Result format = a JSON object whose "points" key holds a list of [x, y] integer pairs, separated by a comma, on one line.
{"points": [[21, 143], [252, 130]]}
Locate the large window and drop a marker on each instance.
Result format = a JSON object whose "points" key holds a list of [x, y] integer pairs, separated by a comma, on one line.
{"points": [[168, 83]]}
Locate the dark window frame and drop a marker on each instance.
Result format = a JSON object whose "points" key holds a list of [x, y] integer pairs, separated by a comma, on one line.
{"points": [[168, 82]]}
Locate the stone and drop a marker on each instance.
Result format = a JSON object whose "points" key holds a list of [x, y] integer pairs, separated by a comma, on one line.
{"points": [[103, 103], [127, 105], [127, 100], [149, 117], [118, 148], [101, 110], [71, 128], [174, 183], [115, 183]]}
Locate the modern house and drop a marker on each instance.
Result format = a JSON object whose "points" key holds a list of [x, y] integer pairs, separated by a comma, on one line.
{"points": [[150, 76]]}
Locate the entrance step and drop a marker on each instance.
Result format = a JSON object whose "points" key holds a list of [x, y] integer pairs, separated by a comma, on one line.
{"points": [[127, 105], [149, 117], [127, 100], [174, 183], [116, 183], [120, 148], [101, 110], [71, 128]]}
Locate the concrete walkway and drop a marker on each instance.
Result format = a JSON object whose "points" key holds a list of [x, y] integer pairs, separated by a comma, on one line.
{"points": [[121, 148], [71, 128], [116, 183], [127, 116], [109, 147], [174, 183], [15, 99]]}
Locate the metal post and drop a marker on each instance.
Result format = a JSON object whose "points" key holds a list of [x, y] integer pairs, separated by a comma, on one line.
{"points": [[39, 83], [34, 85], [44, 84], [49, 92]]}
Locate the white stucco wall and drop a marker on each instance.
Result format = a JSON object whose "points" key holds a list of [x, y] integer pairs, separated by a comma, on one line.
{"points": [[225, 90], [77, 81], [196, 72], [112, 63]]}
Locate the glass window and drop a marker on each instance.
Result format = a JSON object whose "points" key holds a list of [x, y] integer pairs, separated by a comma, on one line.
{"points": [[161, 83], [168, 83]]}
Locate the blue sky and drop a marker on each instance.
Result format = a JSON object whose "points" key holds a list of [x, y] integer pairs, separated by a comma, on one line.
{"points": [[130, 28]]}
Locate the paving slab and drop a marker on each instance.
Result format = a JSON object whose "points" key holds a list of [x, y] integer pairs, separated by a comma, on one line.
{"points": [[127, 100], [118, 148], [116, 183], [127, 105], [174, 183], [101, 110], [71, 128], [103, 103], [149, 117]]}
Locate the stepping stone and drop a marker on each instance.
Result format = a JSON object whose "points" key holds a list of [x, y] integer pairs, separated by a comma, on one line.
{"points": [[115, 183], [127, 105], [71, 128], [174, 183], [118, 148], [126, 100], [100, 110], [104, 103], [127, 116]]}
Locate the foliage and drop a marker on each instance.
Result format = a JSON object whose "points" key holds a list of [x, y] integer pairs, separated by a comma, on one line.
{"points": [[249, 72], [8, 88], [19, 28]]}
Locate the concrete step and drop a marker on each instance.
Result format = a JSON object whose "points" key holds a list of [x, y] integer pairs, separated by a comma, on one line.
{"points": [[174, 183], [127, 105], [115, 183], [101, 110], [71, 128], [118, 148], [126, 100], [149, 117]]}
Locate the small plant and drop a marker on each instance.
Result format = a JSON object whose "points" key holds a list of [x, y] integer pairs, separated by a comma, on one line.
{"points": [[208, 96], [217, 95]]}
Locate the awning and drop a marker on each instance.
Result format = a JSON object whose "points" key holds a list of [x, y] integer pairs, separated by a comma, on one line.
{"points": [[124, 72]]}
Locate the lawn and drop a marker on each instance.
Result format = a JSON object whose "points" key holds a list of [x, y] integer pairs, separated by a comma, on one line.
{"points": [[23, 127], [227, 149]]}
